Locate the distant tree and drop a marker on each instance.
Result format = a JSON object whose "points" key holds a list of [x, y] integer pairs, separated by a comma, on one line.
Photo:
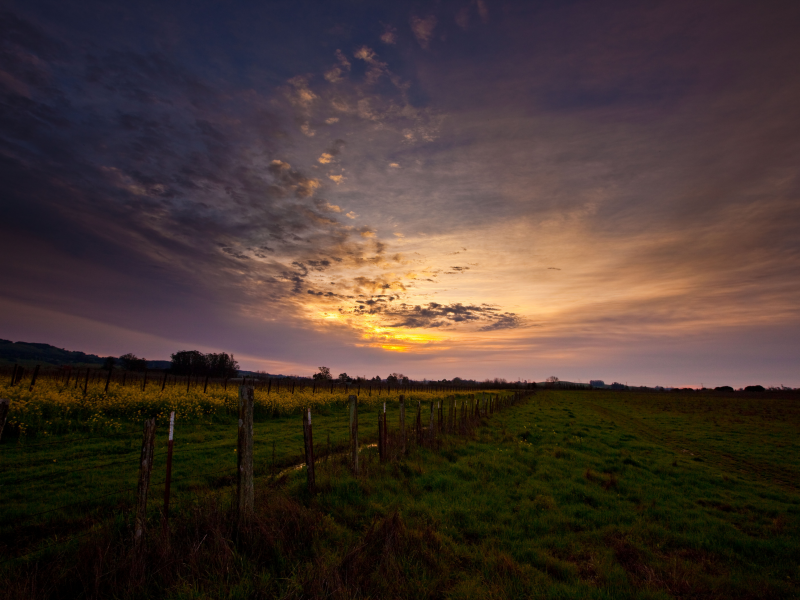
{"points": [[754, 388], [344, 378], [723, 388], [405, 380], [131, 362], [552, 379], [324, 374], [377, 379], [392, 378], [109, 363], [597, 383], [221, 365], [189, 362]]}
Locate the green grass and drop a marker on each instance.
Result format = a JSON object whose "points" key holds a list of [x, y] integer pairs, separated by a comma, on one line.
{"points": [[570, 495]]}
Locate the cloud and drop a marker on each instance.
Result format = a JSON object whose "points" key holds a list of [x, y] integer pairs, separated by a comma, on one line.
{"points": [[435, 315], [300, 94], [423, 29], [389, 35], [483, 11], [326, 206], [331, 153], [351, 215], [394, 165]]}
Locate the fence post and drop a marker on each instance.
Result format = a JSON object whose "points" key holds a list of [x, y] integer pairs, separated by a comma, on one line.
{"points": [[431, 426], [168, 477], [5, 404], [419, 422], [309, 442], [14, 374], [244, 451], [354, 432], [403, 423], [380, 437], [33, 379], [108, 379], [145, 467]]}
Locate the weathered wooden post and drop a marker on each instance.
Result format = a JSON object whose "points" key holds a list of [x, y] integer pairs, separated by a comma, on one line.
{"points": [[5, 404], [168, 477], [205, 385], [309, 442], [85, 382], [244, 488], [145, 467], [108, 378], [403, 423], [380, 437], [385, 434], [33, 379], [419, 422], [354, 432], [431, 433], [14, 374]]}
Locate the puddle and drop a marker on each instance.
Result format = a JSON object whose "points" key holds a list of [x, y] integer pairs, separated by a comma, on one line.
{"points": [[288, 470]]}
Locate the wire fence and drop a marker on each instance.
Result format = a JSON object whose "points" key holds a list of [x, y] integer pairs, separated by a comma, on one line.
{"points": [[277, 447]]}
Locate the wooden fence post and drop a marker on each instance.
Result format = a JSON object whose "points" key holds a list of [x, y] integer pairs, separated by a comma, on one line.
{"points": [[353, 432], [33, 379], [145, 467], [14, 374], [309, 442], [108, 379], [5, 404], [380, 437], [244, 451], [419, 422], [168, 478], [403, 423], [431, 426]]}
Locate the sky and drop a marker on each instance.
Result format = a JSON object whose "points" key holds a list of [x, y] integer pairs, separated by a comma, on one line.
{"points": [[474, 188]]}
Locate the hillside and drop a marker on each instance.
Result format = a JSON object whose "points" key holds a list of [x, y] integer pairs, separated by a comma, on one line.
{"points": [[30, 353]]}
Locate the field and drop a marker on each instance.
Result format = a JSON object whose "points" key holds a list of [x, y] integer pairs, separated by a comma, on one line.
{"points": [[568, 495]]}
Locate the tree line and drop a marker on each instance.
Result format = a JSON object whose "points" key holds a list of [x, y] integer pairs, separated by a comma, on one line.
{"points": [[186, 362]]}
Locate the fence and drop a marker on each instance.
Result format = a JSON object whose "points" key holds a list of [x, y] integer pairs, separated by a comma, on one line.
{"points": [[129, 484]]}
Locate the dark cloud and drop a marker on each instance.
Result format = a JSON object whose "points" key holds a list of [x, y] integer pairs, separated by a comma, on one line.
{"points": [[178, 172], [433, 314]]}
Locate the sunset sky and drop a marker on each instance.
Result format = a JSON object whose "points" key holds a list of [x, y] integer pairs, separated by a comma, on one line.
{"points": [[592, 190]]}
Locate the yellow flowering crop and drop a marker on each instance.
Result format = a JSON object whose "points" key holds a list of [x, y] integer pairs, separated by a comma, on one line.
{"points": [[53, 407]]}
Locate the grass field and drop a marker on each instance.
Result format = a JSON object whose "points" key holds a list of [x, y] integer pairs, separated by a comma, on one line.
{"points": [[569, 495]]}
